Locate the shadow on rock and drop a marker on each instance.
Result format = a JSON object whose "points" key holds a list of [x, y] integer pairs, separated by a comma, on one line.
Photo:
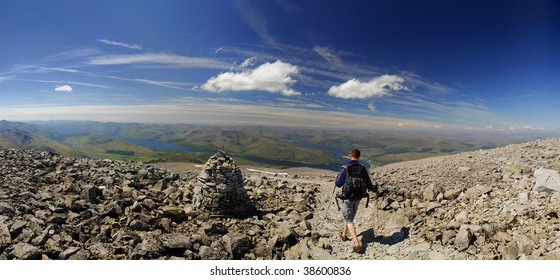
{"points": [[368, 237]]}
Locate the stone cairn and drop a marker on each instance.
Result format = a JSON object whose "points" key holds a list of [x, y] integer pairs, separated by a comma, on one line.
{"points": [[219, 189]]}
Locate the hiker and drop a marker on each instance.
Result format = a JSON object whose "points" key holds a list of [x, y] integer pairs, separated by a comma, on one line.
{"points": [[353, 176]]}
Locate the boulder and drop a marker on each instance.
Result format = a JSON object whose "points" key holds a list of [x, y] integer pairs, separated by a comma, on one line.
{"points": [[546, 180], [24, 251], [237, 245], [463, 239]]}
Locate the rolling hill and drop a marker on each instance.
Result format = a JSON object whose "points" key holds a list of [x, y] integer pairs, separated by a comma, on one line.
{"points": [[19, 139]]}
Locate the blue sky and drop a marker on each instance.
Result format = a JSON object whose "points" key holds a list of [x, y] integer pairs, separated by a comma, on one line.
{"points": [[361, 64]]}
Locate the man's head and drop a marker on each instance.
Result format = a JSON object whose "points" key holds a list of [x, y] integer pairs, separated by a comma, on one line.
{"points": [[355, 154]]}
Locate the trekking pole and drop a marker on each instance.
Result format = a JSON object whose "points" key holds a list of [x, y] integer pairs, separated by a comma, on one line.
{"points": [[377, 212], [334, 197], [330, 202]]}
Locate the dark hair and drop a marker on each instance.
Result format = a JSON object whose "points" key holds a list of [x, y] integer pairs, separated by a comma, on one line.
{"points": [[355, 153]]}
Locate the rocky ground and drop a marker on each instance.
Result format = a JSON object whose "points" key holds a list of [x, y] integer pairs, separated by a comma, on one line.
{"points": [[493, 204]]}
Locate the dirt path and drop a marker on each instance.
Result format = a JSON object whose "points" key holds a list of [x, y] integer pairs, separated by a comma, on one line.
{"points": [[384, 235]]}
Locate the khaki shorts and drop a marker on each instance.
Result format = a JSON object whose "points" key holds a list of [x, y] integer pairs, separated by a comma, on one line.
{"points": [[349, 210]]}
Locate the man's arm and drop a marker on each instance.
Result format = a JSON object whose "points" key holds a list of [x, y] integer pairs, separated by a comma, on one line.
{"points": [[340, 178], [367, 180]]}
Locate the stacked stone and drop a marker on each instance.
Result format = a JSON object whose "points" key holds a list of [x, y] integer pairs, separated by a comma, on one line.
{"points": [[219, 188]]}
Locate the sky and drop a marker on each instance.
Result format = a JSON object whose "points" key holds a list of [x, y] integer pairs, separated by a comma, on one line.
{"points": [[490, 65]]}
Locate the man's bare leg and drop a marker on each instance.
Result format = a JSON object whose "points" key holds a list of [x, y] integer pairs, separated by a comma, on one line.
{"points": [[352, 230]]}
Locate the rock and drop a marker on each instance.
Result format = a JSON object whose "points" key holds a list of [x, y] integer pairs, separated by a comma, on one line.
{"points": [[92, 193], [463, 169], [237, 245], [435, 255], [477, 191], [215, 228], [175, 241], [305, 250], [7, 209], [462, 217], [524, 198], [5, 237], [16, 228], [448, 237], [286, 235], [419, 247], [463, 240], [66, 254], [396, 221], [451, 194], [510, 251], [386, 203], [429, 193], [219, 189], [431, 206], [544, 180], [24, 251], [147, 249], [176, 214]]}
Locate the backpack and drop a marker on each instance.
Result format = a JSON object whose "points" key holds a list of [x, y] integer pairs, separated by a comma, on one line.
{"points": [[353, 188]]}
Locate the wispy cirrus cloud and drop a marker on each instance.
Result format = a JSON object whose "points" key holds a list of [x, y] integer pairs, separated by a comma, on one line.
{"points": [[67, 82], [120, 44], [256, 20], [5, 78], [328, 54], [375, 87], [167, 84], [58, 69], [272, 77], [514, 97], [160, 59], [206, 111]]}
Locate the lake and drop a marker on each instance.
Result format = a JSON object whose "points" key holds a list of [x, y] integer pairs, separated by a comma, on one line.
{"points": [[183, 148]]}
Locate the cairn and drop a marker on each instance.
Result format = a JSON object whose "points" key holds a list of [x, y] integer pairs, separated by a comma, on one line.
{"points": [[219, 188]]}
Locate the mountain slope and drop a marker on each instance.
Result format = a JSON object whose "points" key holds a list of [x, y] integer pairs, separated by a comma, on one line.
{"points": [[19, 139]]}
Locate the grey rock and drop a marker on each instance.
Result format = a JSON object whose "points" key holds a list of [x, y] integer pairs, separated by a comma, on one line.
{"points": [[463, 240], [431, 206], [429, 193], [175, 241], [524, 198], [462, 217], [7, 209], [5, 237], [147, 249], [66, 254], [448, 236], [24, 251], [237, 245], [176, 214], [435, 255], [419, 247], [545, 180]]}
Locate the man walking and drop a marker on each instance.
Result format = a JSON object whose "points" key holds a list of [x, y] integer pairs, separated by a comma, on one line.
{"points": [[354, 180]]}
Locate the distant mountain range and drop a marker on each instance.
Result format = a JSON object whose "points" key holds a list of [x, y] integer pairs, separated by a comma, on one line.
{"points": [[263, 146]]}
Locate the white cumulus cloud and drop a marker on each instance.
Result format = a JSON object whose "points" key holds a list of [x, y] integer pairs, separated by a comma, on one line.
{"points": [[271, 77], [376, 87], [66, 88]]}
